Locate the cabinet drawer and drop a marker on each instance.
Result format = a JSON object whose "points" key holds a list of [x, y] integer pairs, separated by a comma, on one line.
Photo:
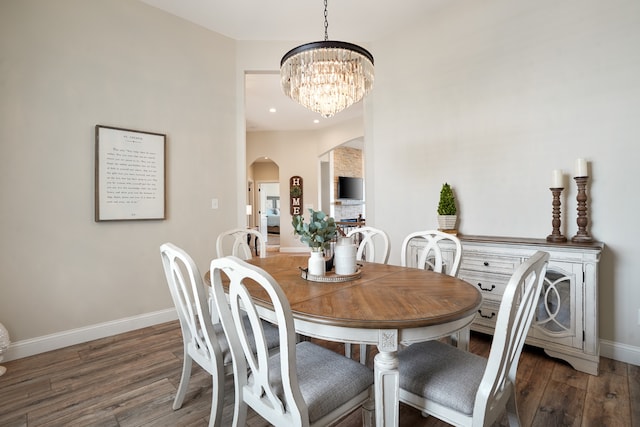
{"points": [[492, 286], [487, 314], [490, 263]]}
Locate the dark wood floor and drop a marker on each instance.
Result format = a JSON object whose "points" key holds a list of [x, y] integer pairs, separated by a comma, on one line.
{"points": [[131, 380]]}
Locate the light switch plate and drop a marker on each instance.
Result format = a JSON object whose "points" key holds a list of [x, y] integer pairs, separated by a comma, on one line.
{"points": [[214, 203]]}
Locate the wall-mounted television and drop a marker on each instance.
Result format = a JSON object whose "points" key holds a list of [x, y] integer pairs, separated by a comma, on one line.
{"points": [[350, 188]]}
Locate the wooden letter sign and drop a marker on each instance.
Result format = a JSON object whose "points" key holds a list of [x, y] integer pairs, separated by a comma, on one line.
{"points": [[295, 193]]}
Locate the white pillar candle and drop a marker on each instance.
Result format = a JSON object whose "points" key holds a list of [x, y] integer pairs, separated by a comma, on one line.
{"points": [[581, 168], [556, 179]]}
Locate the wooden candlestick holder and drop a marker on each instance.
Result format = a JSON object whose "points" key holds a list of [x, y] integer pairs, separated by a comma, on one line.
{"points": [[556, 236], [582, 236]]}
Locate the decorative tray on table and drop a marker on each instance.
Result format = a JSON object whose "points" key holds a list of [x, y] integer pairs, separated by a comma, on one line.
{"points": [[331, 276]]}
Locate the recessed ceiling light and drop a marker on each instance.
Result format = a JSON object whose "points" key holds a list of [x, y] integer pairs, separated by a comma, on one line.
{"points": [[272, 110], [316, 121]]}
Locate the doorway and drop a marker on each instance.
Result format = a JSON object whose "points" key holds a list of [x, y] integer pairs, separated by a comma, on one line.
{"points": [[264, 175], [270, 208]]}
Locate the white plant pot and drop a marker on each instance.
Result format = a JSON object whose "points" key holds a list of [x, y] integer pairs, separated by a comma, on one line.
{"points": [[316, 263], [447, 222]]}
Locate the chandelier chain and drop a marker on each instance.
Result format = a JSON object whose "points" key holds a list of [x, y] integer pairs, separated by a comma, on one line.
{"points": [[326, 21]]}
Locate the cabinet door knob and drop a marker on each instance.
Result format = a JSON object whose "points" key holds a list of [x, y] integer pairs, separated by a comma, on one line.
{"points": [[486, 289], [486, 263]]}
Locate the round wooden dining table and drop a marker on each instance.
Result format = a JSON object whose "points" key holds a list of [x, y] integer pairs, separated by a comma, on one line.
{"points": [[386, 306]]}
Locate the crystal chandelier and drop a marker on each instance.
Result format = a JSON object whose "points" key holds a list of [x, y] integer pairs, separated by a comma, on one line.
{"points": [[327, 76]]}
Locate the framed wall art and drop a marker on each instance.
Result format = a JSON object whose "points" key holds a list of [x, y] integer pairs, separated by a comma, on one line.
{"points": [[130, 174]]}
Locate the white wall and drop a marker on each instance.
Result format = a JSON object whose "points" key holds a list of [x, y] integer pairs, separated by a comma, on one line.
{"points": [[491, 97], [66, 66]]}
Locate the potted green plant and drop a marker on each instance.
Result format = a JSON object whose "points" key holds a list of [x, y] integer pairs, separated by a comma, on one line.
{"points": [[447, 211], [317, 234]]}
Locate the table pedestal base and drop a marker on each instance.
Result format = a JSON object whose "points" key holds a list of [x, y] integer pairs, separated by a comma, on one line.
{"points": [[387, 379]]}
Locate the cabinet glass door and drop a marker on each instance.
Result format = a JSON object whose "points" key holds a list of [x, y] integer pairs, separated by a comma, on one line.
{"points": [[558, 316]]}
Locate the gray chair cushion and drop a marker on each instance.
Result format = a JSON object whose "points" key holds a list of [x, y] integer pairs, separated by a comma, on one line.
{"points": [[271, 336], [327, 379], [442, 373]]}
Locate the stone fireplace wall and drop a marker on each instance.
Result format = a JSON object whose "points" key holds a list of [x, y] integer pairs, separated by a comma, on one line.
{"points": [[347, 162]]}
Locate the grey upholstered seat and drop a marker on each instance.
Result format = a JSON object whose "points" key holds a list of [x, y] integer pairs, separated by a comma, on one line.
{"points": [[433, 380], [326, 379], [465, 389], [304, 384]]}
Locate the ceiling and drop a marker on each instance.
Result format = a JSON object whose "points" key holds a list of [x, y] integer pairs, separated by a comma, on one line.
{"points": [[356, 21], [263, 92], [349, 20]]}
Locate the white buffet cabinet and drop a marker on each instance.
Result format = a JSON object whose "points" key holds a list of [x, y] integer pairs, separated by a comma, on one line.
{"points": [[566, 322]]}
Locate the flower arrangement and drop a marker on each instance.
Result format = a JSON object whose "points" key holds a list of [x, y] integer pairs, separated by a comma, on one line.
{"points": [[318, 232]]}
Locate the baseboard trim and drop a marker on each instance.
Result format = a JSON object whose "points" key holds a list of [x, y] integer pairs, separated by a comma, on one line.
{"points": [[620, 352], [17, 350], [30, 347]]}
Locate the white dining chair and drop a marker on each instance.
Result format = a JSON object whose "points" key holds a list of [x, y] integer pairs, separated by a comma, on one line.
{"points": [[202, 335], [371, 242], [238, 239], [304, 384], [430, 257], [465, 389]]}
